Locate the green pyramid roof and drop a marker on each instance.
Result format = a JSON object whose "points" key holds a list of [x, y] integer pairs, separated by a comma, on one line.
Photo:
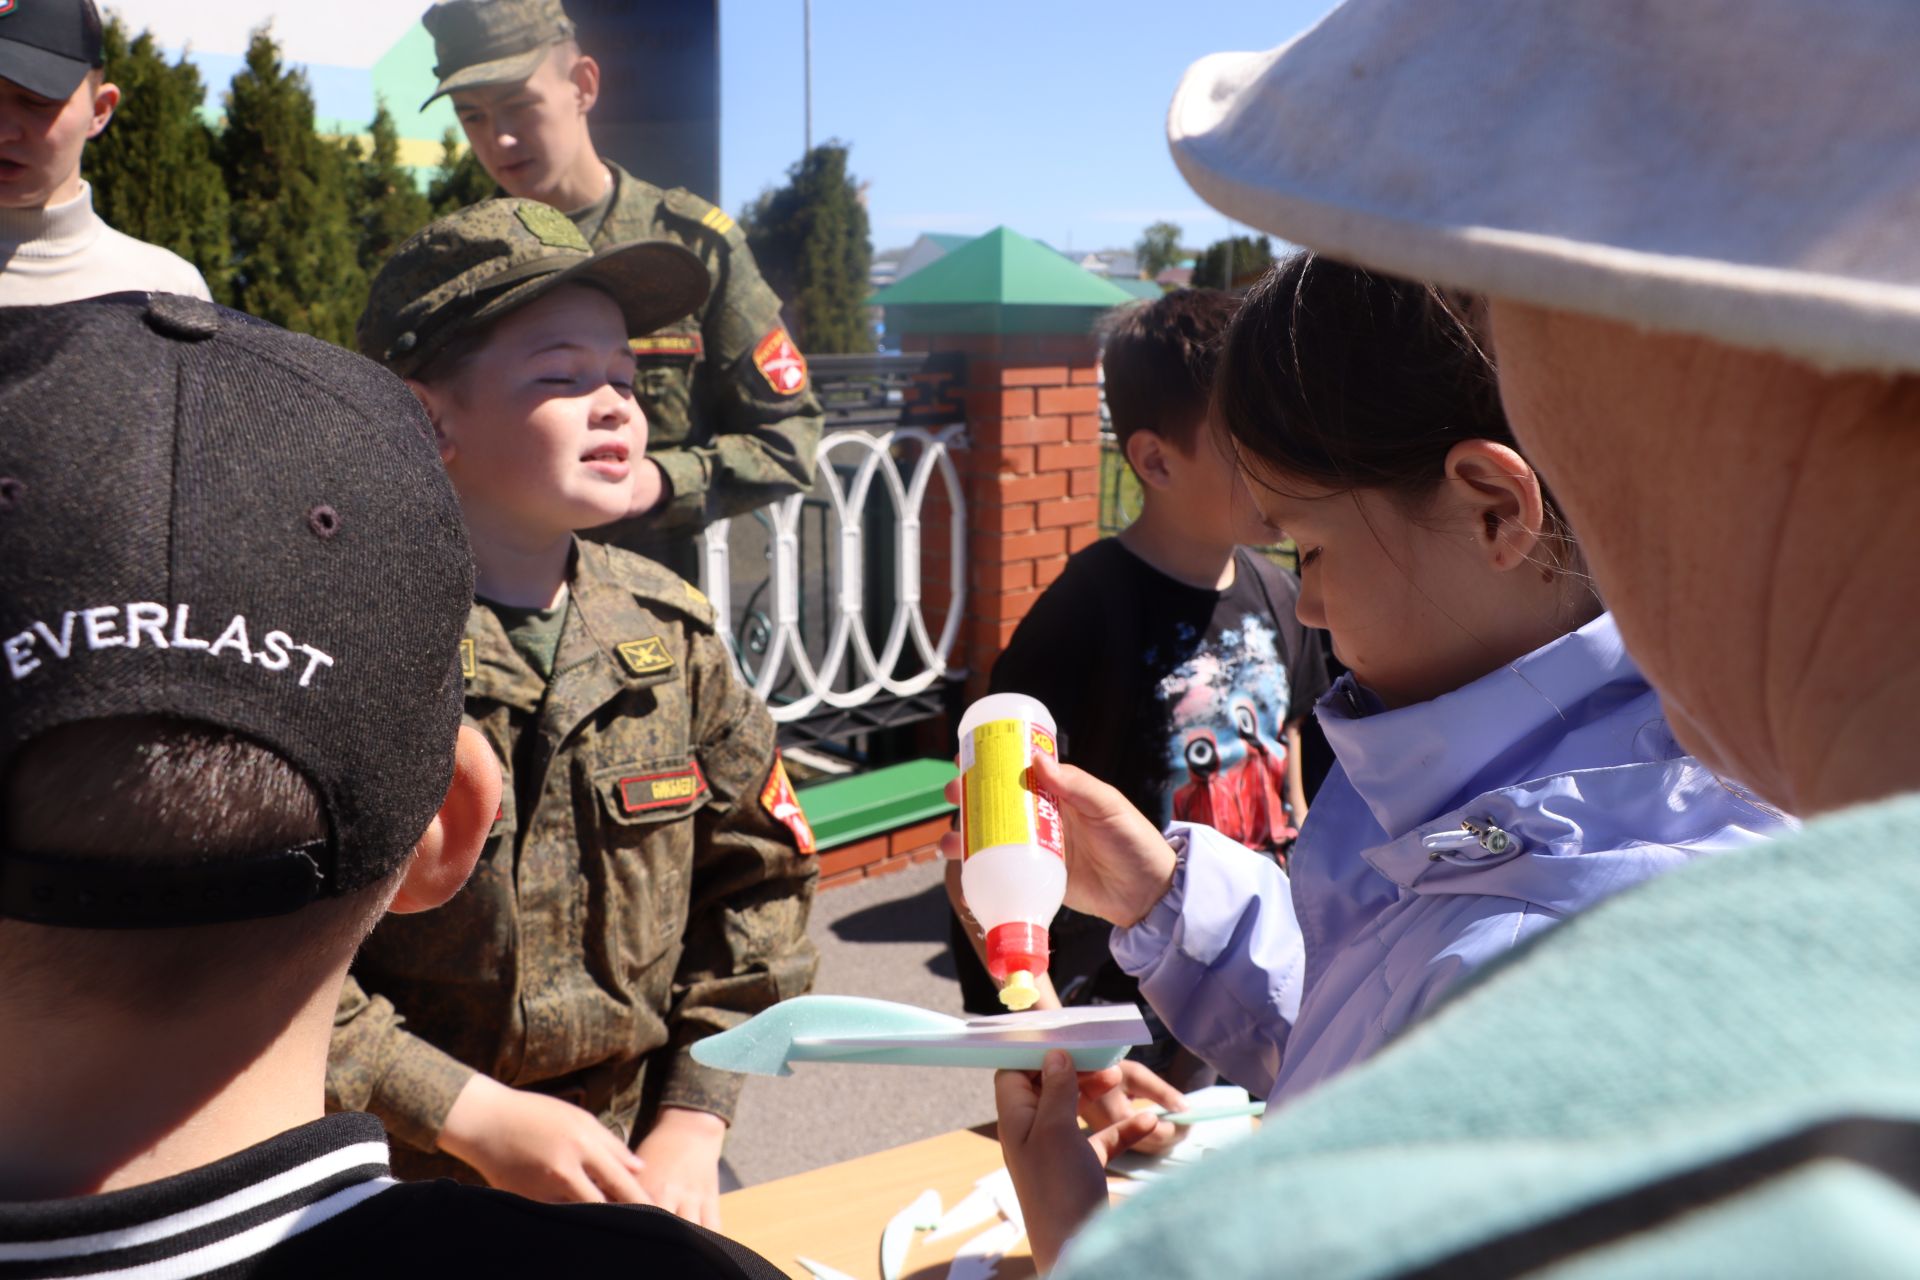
{"points": [[1002, 268]]}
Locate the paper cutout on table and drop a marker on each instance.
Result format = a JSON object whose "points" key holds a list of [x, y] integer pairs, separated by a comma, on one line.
{"points": [[857, 1029], [977, 1207], [980, 1257], [1200, 1140], [999, 1185], [820, 1270], [921, 1215]]}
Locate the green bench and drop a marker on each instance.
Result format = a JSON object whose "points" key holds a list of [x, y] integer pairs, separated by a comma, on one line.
{"points": [[844, 810]]}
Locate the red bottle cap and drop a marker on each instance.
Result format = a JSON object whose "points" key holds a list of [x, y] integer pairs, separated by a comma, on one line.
{"points": [[1011, 947]]}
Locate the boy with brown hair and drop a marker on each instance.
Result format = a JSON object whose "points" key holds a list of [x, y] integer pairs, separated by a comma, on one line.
{"points": [[232, 586], [646, 881], [54, 98], [1169, 654]]}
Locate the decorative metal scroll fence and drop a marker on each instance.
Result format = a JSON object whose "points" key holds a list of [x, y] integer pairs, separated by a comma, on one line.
{"points": [[821, 595]]}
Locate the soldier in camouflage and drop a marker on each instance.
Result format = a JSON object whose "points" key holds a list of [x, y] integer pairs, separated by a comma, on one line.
{"points": [[646, 881], [732, 414]]}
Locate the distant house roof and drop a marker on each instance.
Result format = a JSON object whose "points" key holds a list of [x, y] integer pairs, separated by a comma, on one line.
{"points": [[1175, 277], [947, 240], [1138, 288]]}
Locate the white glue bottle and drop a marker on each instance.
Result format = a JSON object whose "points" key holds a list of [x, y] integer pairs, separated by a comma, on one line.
{"points": [[1014, 872]]}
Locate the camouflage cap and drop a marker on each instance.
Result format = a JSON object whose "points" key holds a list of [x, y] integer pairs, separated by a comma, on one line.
{"points": [[475, 265], [478, 42]]}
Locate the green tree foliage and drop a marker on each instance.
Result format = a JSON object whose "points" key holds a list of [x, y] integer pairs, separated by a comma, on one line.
{"points": [[810, 239], [460, 180], [1232, 263], [295, 243], [1158, 248], [388, 206], [153, 171]]}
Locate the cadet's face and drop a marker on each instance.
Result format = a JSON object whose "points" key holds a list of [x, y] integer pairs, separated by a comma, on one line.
{"points": [[41, 140], [527, 136], [540, 425]]}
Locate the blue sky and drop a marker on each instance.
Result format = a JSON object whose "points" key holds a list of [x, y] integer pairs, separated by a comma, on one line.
{"points": [[1044, 115]]}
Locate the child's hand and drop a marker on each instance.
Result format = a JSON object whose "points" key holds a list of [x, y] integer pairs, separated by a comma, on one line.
{"points": [[540, 1147], [682, 1158], [1058, 1171], [1107, 1098], [1118, 863]]}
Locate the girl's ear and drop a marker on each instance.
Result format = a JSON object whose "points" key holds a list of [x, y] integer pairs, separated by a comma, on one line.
{"points": [[1501, 495], [434, 402], [1147, 453]]}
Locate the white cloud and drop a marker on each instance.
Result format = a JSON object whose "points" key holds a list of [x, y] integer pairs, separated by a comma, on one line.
{"points": [[341, 33]]}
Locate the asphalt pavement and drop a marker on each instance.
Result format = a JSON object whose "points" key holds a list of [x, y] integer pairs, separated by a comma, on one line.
{"points": [[885, 937]]}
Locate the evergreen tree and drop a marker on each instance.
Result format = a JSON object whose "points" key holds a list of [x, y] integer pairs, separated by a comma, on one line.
{"points": [[153, 171], [460, 180], [1158, 248], [810, 239], [1237, 260], [295, 244], [388, 205]]}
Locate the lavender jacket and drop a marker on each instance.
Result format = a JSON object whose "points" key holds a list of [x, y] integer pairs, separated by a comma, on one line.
{"points": [[1564, 753]]}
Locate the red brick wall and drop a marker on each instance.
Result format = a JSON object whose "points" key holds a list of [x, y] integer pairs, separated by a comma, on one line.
{"points": [[881, 855], [1031, 479]]}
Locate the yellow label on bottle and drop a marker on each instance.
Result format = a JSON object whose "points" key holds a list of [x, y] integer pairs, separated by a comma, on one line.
{"points": [[999, 809]]}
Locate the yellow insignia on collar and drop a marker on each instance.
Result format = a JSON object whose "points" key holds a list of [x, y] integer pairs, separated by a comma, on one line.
{"points": [[644, 657], [696, 595], [466, 659]]}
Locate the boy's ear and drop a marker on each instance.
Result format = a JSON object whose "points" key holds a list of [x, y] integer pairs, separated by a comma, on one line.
{"points": [[1501, 497], [585, 75], [447, 851], [434, 403], [106, 99], [1147, 455]]}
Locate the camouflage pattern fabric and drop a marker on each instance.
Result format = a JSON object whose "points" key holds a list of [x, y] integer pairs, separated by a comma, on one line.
{"points": [[635, 894], [731, 414]]}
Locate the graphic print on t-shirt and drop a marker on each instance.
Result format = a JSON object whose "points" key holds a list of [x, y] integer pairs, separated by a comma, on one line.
{"points": [[1227, 709]]}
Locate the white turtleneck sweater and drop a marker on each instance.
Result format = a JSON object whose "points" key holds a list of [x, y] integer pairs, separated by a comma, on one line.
{"points": [[64, 251]]}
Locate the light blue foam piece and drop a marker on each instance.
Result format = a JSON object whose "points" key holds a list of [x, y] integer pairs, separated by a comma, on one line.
{"points": [[805, 1028]]}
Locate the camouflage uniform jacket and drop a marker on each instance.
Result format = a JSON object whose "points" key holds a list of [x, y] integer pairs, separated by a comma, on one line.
{"points": [[635, 894], [731, 415]]}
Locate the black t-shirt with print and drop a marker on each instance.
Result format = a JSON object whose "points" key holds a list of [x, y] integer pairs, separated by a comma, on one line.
{"points": [[1179, 696]]}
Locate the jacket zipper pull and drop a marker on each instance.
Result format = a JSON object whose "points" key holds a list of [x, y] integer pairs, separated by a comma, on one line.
{"points": [[1495, 843]]}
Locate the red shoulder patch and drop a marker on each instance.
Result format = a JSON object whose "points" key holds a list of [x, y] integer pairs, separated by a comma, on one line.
{"points": [[781, 363], [781, 804]]}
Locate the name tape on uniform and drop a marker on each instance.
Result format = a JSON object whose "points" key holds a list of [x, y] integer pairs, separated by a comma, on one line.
{"points": [[158, 626], [645, 657], [658, 790], [667, 344]]}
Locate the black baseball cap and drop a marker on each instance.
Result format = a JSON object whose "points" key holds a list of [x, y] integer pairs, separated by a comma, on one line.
{"points": [[48, 46], [207, 518]]}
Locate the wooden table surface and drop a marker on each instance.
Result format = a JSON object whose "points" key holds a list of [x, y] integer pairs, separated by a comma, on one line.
{"points": [[835, 1215]]}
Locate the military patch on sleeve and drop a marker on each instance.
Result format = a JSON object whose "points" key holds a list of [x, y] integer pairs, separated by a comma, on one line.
{"points": [[467, 667], [645, 657], [716, 220], [778, 799], [667, 344], [658, 790], [781, 363], [551, 227]]}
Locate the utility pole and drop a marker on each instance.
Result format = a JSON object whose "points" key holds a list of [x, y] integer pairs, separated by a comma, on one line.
{"points": [[806, 23]]}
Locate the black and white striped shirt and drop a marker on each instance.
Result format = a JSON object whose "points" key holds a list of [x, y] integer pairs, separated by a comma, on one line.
{"points": [[319, 1201]]}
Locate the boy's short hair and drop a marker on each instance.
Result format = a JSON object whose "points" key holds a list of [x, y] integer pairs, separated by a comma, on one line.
{"points": [[1158, 360], [254, 536]]}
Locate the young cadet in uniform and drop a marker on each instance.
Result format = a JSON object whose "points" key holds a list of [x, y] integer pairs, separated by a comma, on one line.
{"points": [[55, 98], [645, 883], [733, 417], [229, 737]]}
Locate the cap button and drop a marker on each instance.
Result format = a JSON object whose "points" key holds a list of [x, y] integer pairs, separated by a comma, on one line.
{"points": [[173, 316]]}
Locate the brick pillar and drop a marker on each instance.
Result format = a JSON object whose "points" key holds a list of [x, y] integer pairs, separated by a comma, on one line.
{"points": [[1031, 478]]}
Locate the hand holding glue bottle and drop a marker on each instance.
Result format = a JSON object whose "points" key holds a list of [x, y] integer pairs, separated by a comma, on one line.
{"points": [[1013, 873]]}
